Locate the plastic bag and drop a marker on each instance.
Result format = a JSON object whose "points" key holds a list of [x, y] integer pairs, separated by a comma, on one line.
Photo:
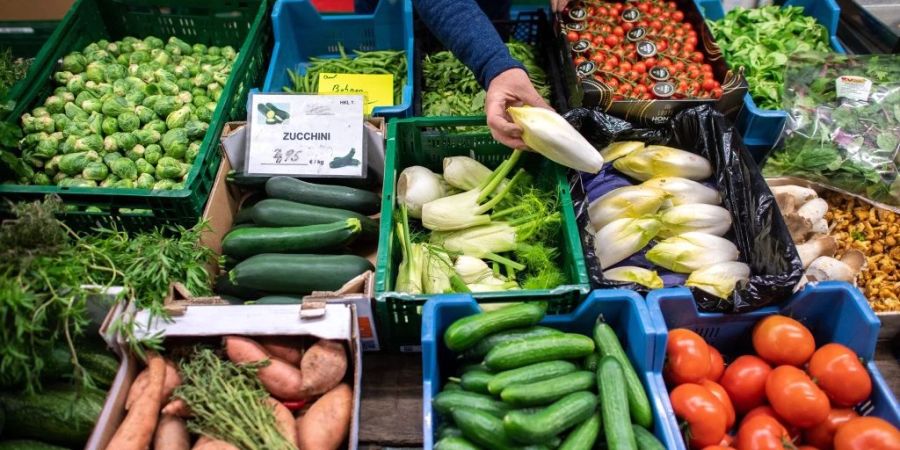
{"points": [[758, 229], [843, 129]]}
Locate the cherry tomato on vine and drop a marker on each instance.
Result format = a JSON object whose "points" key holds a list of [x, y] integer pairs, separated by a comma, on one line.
{"points": [[687, 356], [677, 16], [702, 411], [867, 433], [572, 36], [612, 40], [781, 340], [838, 371], [763, 433], [795, 397], [822, 435], [745, 382]]}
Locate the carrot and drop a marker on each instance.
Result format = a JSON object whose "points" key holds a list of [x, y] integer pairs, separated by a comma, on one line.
{"points": [[171, 434], [206, 443], [284, 421], [327, 422], [286, 348], [136, 431], [178, 408], [323, 367], [279, 378], [173, 379]]}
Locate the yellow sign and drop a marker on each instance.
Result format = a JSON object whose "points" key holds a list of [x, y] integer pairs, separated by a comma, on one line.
{"points": [[377, 89]]}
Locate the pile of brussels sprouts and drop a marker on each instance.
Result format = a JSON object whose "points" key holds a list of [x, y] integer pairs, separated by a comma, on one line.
{"points": [[126, 114]]}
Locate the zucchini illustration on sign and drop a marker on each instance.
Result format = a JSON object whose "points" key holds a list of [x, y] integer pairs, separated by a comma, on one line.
{"points": [[344, 161], [272, 113]]}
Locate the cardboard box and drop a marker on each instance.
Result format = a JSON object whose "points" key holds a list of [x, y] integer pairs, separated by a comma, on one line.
{"points": [[206, 323], [34, 10]]}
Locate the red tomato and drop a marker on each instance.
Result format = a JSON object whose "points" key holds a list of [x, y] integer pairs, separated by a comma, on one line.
{"points": [[745, 382], [703, 413], [678, 16], [612, 82], [867, 433], [655, 10], [807, 447], [838, 371], [668, 29], [762, 433], [625, 66], [644, 7], [627, 26], [687, 357], [601, 11], [717, 447], [822, 435], [671, 5], [697, 57], [598, 59], [781, 340], [720, 394], [572, 36], [586, 36], [639, 67], [611, 40], [661, 46], [656, 25], [795, 397], [706, 68], [709, 84], [618, 31], [717, 92], [767, 410], [579, 60]]}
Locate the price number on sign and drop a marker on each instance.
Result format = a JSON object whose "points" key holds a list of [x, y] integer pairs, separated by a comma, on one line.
{"points": [[285, 157]]}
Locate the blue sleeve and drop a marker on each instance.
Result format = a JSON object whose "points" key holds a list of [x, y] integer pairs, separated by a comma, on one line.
{"points": [[467, 32]]}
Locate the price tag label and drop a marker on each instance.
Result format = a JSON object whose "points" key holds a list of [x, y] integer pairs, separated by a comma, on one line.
{"points": [[659, 73], [581, 46], [575, 26], [586, 68], [635, 34], [663, 89], [376, 89], [631, 15], [577, 14], [646, 49], [306, 135]]}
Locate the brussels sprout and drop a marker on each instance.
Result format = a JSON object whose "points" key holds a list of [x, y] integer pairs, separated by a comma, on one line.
{"points": [[62, 77], [52, 166], [229, 52], [125, 141], [90, 142], [98, 55], [136, 83], [145, 73], [113, 48], [138, 57], [145, 181], [144, 167], [193, 150], [199, 48], [95, 72], [92, 47], [167, 87], [82, 97], [145, 114], [136, 152], [160, 56], [147, 137], [40, 179], [115, 106], [196, 129], [165, 106], [110, 144], [135, 97], [124, 168], [68, 145], [199, 92], [32, 138], [46, 148], [99, 89], [75, 113], [74, 62], [129, 121], [185, 85], [185, 48], [96, 171], [59, 177], [178, 118], [108, 158], [73, 163], [115, 72], [169, 167], [202, 79], [121, 87], [200, 100], [152, 153], [213, 50], [66, 96], [150, 99], [221, 78], [60, 121], [122, 59], [164, 75], [163, 185], [92, 105], [204, 114], [32, 124], [156, 125], [175, 143], [109, 126], [95, 123], [151, 90], [54, 104], [214, 91], [109, 181], [181, 71], [153, 42], [124, 184], [76, 182]]}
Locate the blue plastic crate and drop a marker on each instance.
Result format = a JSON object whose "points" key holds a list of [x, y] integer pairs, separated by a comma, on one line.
{"points": [[624, 310], [833, 312], [302, 33], [761, 128]]}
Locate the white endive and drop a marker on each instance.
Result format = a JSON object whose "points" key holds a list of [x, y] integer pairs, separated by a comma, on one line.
{"points": [[619, 149], [634, 274], [719, 279], [691, 251], [627, 201], [622, 238], [695, 217], [684, 191], [547, 133], [417, 186], [465, 173], [495, 237], [663, 161]]}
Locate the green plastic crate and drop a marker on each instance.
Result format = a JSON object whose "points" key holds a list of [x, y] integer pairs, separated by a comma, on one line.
{"points": [[425, 142], [25, 38], [243, 24]]}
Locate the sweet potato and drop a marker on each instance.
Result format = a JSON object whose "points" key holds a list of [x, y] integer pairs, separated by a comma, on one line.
{"points": [[281, 379], [284, 421], [173, 379], [207, 443], [177, 408], [323, 367], [136, 431], [171, 434], [327, 422], [285, 348]]}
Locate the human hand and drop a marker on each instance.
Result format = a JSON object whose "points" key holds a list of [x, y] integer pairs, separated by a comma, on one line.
{"points": [[510, 88], [558, 5]]}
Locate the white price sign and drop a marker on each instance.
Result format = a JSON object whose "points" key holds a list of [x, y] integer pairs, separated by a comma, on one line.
{"points": [[306, 135]]}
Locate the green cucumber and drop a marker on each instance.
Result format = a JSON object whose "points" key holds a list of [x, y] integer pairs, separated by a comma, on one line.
{"points": [[529, 374], [470, 367], [548, 391], [608, 345], [58, 415], [466, 332], [447, 431], [590, 362], [485, 345], [483, 429], [287, 188], [645, 439], [452, 386], [544, 425], [514, 354], [583, 436], [273, 212], [614, 405], [476, 381], [25, 444], [250, 241], [447, 401], [297, 274], [278, 300], [454, 443]]}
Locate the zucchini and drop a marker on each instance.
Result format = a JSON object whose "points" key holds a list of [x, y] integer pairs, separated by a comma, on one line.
{"points": [[287, 188], [583, 436], [100, 366], [476, 381], [273, 212], [58, 415], [244, 215], [239, 178], [513, 354], [645, 439], [25, 444], [278, 300], [250, 241], [529, 374], [224, 287], [544, 425], [466, 332], [447, 401], [454, 443], [485, 345], [608, 345], [298, 274], [548, 391], [482, 428], [614, 405]]}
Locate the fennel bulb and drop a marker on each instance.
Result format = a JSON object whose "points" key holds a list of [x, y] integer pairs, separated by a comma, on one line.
{"points": [[547, 133], [465, 173], [417, 186]]}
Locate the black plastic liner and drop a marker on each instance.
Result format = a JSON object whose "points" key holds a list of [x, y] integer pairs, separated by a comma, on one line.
{"points": [[758, 230]]}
